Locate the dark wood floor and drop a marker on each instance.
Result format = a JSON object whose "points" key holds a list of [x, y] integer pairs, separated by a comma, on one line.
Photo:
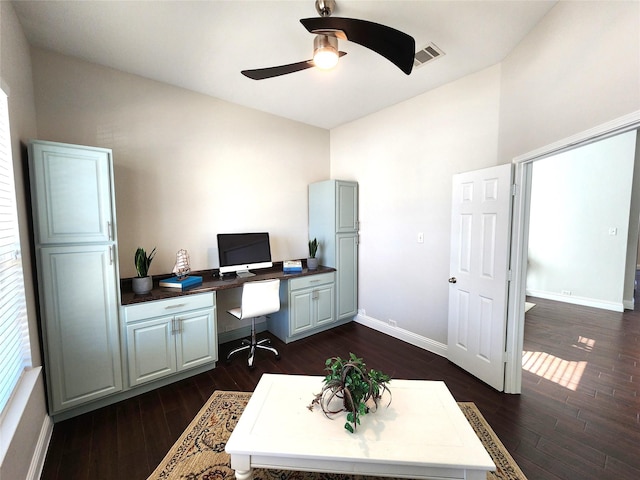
{"points": [[577, 416]]}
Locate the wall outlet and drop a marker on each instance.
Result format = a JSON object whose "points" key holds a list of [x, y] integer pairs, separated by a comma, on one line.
{"points": [[393, 323], [566, 292]]}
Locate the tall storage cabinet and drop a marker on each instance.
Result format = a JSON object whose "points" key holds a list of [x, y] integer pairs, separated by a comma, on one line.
{"points": [[78, 282], [333, 220]]}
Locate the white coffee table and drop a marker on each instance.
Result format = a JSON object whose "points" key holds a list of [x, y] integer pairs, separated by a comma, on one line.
{"points": [[422, 434]]}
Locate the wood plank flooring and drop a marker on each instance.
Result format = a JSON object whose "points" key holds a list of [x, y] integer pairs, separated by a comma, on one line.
{"points": [[578, 415]]}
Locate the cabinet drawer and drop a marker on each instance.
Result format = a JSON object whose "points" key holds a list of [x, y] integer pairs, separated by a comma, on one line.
{"points": [[311, 280], [171, 306]]}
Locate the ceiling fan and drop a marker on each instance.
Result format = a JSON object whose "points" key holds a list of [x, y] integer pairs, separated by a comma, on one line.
{"points": [[394, 45]]}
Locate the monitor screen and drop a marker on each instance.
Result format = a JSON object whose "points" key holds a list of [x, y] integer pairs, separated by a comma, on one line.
{"points": [[241, 252]]}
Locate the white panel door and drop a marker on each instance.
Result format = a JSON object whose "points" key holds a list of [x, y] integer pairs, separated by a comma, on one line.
{"points": [[480, 233]]}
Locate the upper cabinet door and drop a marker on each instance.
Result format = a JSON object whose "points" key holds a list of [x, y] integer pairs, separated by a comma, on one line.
{"points": [[347, 206], [74, 185]]}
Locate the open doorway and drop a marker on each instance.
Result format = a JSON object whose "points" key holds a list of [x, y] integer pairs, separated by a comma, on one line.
{"points": [[520, 235], [583, 225]]}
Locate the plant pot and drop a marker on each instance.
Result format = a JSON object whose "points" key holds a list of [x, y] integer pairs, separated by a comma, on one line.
{"points": [[141, 285], [312, 263]]}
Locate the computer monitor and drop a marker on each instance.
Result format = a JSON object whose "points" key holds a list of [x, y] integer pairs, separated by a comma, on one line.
{"points": [[241, 252]]}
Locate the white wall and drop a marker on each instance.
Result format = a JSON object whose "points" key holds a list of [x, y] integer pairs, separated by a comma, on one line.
{"points": [[30, 416], [580, 67], [187, 166], [577, 197]]}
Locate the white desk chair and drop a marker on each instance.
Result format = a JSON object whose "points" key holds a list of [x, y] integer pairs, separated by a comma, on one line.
{"points": [[258, 298]]}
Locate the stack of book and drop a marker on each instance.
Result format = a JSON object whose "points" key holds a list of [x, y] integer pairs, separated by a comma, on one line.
{"points": [[181, 283], [291, 266]]}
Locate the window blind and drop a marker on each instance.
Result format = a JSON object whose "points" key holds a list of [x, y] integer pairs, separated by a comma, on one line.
{"points": [[15, 352]]}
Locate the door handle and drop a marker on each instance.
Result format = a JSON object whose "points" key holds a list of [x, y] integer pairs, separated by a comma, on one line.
{"points": [[453, 280]]}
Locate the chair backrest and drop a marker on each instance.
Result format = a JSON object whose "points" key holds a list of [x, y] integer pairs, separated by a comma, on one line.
{"points": [[260, 298]]}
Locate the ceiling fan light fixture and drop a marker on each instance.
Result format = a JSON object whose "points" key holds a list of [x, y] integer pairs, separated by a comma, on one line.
{"points": [[325, 52]]}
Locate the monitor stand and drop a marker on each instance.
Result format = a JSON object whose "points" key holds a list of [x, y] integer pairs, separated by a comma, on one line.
{"points": [[244, 274]]}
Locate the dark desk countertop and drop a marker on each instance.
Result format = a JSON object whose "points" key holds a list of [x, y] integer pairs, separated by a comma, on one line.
{"points": [[211, 282]]}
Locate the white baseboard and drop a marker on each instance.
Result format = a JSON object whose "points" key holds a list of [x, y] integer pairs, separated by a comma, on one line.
{"points": [[585, 302], [40, 453], [402, 334]]}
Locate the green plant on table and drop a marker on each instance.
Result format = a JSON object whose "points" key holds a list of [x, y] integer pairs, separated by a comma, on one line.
{"points": [[357, 388], [143, 261]]}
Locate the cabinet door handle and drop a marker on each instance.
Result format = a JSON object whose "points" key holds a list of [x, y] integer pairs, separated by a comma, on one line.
{"points": [[109, 230], [168, 307], [176, 326], [111, 255]]}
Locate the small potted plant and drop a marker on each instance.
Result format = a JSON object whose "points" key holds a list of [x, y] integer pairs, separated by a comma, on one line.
{"points": [[357, 389], [312, 261], [143, 283]]}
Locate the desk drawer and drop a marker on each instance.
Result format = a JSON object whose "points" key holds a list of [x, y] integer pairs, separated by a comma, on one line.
{"points": [[157, 308], [311, 280]]}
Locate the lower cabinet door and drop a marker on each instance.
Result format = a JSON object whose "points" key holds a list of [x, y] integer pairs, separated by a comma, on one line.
{"points": [[196, 342], [324, 305], [301, 315], [311, 307], [151, 349], [80, 324]]}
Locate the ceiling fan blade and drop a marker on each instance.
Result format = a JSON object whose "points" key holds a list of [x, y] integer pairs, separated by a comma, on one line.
{"points": [[394, 45], [270, 72]]}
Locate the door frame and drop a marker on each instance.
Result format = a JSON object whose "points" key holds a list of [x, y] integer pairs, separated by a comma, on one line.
{"points": [[520, 234]]}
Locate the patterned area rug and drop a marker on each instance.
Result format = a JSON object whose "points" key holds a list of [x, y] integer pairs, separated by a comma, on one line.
{"points": [[199, 453]]}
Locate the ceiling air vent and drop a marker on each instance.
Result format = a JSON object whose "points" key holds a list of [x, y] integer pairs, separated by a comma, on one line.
{"points": [[427, 54]]}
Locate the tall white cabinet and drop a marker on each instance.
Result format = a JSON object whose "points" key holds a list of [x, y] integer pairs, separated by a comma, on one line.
{"points": [[333, 220], [76, 259]]}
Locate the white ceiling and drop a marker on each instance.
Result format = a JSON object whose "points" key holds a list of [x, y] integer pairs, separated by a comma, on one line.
{"points": [[203, 46]]}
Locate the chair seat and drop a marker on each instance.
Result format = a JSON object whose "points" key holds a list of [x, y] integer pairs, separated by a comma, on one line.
{"points": [[236, 312]]}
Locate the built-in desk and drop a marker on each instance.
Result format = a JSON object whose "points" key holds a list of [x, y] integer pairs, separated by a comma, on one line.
{"points": [[210, 283], [307, 300]]}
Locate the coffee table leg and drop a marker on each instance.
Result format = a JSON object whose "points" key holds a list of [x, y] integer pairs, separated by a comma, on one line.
{"points": [[243, 474]]}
